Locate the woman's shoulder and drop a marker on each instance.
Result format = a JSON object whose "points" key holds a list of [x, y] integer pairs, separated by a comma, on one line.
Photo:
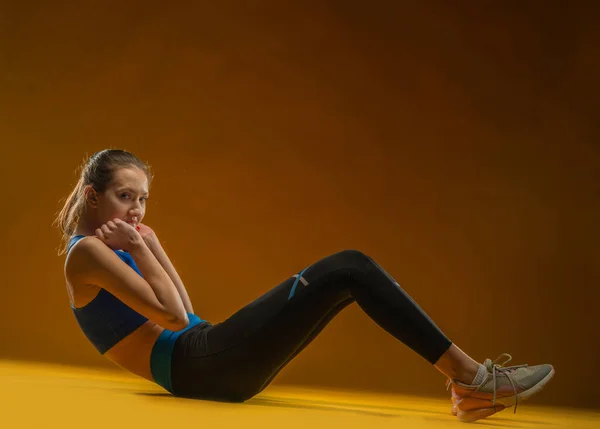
{"points": [[81, 248], [76, 265], [79, 243]]}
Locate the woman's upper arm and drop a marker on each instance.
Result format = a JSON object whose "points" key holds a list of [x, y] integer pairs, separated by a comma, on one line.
{"points": [[93, 262]]}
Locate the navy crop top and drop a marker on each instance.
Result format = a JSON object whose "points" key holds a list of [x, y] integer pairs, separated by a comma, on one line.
{"points": [[106, 320]]}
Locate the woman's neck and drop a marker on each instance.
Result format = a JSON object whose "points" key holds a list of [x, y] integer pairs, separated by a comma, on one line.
{"points": [[84, 228]]}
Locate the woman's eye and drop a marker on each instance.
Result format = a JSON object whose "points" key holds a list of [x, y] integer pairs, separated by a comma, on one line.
{"points": [[124, 195]]}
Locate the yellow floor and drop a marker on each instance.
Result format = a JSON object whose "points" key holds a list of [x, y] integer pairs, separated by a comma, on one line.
{"points": [[54, 396]]}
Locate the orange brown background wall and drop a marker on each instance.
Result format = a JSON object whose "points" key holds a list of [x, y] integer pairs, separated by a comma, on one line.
{"points": [[454, 142]]}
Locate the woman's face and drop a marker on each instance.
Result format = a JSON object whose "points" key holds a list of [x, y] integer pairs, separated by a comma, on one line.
{"points": [[125, 197]]}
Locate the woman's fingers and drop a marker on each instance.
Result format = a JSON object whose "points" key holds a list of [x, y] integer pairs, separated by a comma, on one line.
{"points": [[111, 229], [100, 234]]}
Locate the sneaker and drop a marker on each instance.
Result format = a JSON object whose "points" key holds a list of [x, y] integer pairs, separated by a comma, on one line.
{"points": [[502, 387]]}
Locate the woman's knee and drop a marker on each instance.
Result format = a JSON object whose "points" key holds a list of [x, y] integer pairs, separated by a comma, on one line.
{"points": [[356, 260], [353, 258]]}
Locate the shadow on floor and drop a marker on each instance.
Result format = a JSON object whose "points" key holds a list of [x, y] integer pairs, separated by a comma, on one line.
{"points": [[363, 409]]}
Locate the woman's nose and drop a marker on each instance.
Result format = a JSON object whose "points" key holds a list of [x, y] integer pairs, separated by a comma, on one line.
{"points": [[135, 212]]}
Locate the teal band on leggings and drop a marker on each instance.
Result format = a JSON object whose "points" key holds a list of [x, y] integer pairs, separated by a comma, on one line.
{"points": [[160, 358]]}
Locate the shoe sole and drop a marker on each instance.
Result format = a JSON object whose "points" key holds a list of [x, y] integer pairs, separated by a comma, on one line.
{"points": [[502, 403]]}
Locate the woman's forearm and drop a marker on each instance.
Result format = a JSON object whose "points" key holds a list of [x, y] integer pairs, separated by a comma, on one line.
{"points": [[159, 253], [160, 282]]}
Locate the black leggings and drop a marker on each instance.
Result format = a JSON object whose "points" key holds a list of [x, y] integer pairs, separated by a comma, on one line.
{"points": [[236, 359]]}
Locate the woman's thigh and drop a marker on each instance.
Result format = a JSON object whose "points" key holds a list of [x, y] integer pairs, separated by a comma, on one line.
{"points": [[237, 358]]}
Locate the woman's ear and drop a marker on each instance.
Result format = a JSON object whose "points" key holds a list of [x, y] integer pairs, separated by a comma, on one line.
{"points": [[91, 196]]}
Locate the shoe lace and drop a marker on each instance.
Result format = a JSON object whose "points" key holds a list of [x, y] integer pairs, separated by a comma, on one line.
{"points": [[497, 368]]}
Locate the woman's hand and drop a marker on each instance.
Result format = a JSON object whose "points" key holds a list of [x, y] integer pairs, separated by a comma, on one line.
{"points": [[118, 234], [144, 230], [147, 235]]}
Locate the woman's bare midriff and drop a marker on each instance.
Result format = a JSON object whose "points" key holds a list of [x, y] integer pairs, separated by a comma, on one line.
{"points": [[133, 352]]}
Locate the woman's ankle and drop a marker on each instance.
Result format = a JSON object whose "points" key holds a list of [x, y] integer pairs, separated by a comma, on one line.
{"points": [[457, 365], [467, 375]]}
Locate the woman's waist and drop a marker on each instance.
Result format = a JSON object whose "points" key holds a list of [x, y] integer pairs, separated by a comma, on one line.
{"points": [[134, 351]]}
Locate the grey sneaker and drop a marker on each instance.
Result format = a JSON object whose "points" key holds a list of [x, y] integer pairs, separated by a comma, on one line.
{"points": [[503, 387]]}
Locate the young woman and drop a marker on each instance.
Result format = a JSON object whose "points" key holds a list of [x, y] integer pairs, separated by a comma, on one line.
{"points": [[133, 307]]}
